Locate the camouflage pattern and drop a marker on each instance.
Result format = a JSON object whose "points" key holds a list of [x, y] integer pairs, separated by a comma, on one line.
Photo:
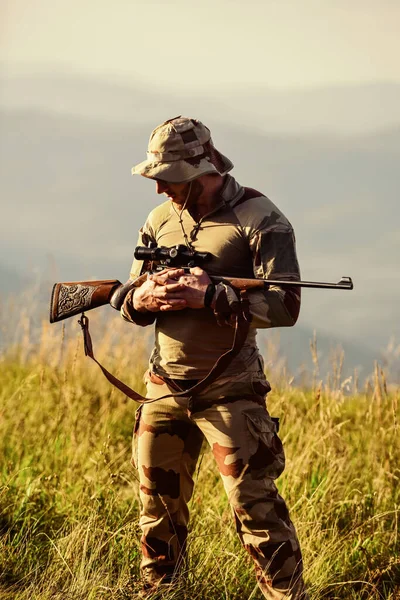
{"points": [[248, 236], [232, 417], [180, 150]]}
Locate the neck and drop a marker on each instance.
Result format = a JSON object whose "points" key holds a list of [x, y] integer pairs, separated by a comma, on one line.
{"points": [[208, 199]]}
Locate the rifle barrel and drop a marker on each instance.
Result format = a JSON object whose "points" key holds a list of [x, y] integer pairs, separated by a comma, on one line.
{"points": [[345, 283]]}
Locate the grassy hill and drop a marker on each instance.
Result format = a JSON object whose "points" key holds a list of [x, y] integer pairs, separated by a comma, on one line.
{"points": [[69, 500]]}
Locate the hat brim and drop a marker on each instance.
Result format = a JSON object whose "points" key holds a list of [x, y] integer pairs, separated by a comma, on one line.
{"points": [[181, 171]]}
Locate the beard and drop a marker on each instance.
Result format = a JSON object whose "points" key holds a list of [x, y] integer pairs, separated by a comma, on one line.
{"points": [[195, 193], [189, 196]]}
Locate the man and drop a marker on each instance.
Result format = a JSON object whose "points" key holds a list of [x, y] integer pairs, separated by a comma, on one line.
{"points": [[247, 236]]}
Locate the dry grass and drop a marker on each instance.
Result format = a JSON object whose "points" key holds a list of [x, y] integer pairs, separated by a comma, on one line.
{"points": [[69, 501]]}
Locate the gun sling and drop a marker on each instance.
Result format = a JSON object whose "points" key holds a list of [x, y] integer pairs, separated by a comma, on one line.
{"points": [[242, 319]]}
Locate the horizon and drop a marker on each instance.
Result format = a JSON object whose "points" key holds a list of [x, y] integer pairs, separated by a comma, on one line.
{"points": [[341, 111]]}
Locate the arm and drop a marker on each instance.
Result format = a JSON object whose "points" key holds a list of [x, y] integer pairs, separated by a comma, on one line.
{"points": [[274, 257]]}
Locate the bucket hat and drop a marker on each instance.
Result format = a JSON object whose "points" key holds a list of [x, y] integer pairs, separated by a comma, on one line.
{"points": [[180, 150]]}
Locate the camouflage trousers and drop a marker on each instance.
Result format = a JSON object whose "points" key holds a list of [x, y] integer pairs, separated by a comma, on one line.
{"points": [[232, 417]]}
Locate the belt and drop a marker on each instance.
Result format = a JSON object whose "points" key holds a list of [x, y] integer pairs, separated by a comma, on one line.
{"points": [[179, 385]]}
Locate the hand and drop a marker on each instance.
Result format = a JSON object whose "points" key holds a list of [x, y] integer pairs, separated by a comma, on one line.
{"points": [[160, 292], [167, 276], [195, 286], [172, 289]]}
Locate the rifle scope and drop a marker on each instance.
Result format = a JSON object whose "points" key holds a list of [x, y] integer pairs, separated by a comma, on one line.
{"points": [[177, 256]]}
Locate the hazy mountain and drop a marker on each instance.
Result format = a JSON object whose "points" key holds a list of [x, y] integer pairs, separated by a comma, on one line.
{"points": [[340, 109], [294, 346], [71, 208], [10, 279]]}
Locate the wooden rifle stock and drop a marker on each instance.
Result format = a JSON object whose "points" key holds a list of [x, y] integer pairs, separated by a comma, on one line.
{"points": [[74, 297]]}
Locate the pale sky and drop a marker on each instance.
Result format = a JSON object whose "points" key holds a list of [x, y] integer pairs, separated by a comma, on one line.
{"points": [[206, 43]]}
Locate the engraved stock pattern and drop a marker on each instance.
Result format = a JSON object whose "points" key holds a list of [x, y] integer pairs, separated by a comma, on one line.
{"points": [[74, 297]]}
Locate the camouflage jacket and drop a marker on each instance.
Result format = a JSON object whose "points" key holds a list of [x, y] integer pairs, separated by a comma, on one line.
{"points": [[248, 236]]}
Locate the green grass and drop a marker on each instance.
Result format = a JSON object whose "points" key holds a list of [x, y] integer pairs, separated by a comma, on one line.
{"points": [[69, 498]]}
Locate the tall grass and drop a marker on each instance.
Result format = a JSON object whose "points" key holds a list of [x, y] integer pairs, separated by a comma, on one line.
{"points": [[69, 500]]}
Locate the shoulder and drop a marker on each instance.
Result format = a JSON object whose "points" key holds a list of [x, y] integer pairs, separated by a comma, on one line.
{"points": [[158, 216], [256, 212]]}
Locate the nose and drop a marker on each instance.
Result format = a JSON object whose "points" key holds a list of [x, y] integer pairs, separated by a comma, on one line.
{"points": [[161, 187]]}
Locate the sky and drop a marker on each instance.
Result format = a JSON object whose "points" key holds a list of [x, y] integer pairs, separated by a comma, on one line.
{"points": [[312, 85], [198, 45]]}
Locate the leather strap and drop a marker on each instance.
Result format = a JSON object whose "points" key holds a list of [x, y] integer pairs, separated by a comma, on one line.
{"points": [[242, 319]]}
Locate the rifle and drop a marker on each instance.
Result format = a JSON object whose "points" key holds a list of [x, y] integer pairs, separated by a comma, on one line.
{"points": [[71, 298], [74, 297]]}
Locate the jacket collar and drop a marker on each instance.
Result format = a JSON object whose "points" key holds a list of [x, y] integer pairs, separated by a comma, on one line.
{"points": [[231, 191]]}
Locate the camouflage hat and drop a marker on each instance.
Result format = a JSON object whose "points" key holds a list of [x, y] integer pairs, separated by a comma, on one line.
{"points": [[180, 150]]}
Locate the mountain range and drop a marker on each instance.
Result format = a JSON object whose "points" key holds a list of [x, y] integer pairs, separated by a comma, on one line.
{"points": [[70, 208]]}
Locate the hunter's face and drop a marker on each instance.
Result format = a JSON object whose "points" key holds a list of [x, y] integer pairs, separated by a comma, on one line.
{"points": [[178, 192]]}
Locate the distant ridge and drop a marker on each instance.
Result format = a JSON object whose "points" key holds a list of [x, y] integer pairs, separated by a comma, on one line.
{"points": [[340, 109], [70, 200]]}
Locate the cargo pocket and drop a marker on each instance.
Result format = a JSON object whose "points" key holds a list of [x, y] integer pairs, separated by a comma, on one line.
{"points": [[266, 454], [135, 436], [259, 383]]}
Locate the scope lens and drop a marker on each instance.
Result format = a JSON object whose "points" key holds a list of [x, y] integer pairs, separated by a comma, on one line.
{"points": [[142, 253]]}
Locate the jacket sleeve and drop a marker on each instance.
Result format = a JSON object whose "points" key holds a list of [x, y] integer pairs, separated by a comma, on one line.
{"points": [[273, 250], [128, 313]]}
